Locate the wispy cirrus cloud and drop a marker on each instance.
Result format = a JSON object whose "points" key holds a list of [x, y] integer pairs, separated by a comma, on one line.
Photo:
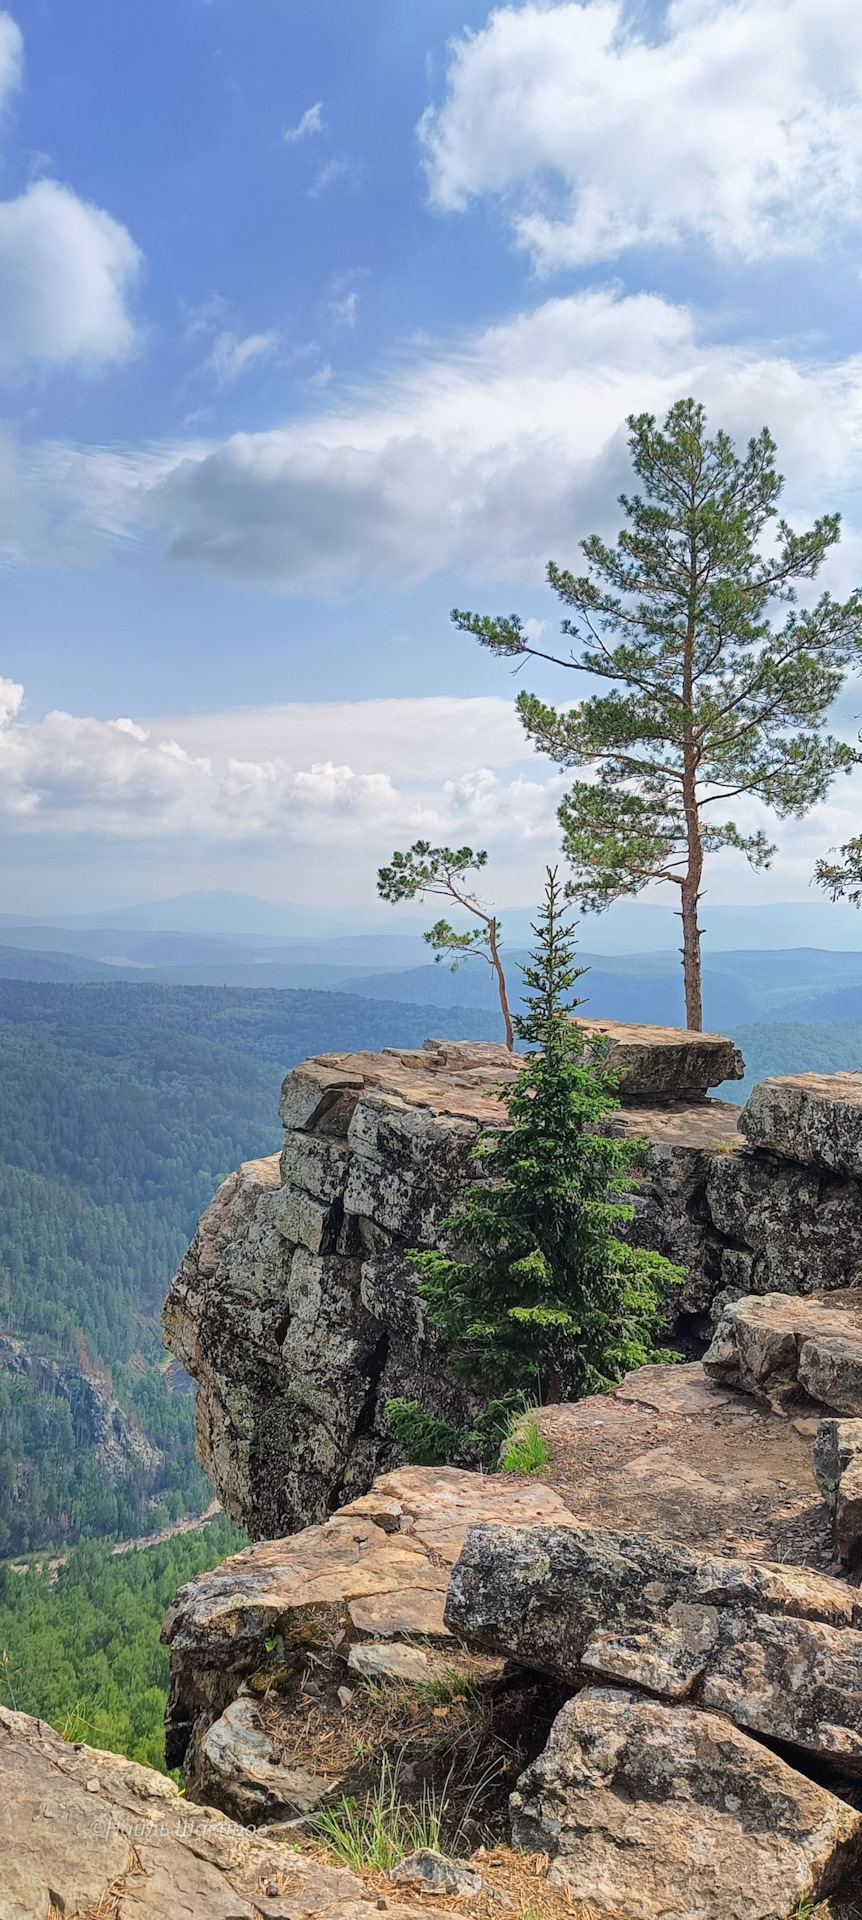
{"points": [[482, 458], [310, 124]]}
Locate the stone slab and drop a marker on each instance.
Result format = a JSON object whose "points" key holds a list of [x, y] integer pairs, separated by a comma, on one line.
{"points": [[778, 1649], [86, 1832], [668, 1062], [401, 1539], [774, 1345], [673, 1814]]}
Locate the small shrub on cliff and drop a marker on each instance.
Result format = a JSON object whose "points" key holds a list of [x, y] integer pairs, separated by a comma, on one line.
{"points": [[548, 1301]]}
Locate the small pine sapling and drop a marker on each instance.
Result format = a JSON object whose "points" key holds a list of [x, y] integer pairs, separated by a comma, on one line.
{"points": [[546, 1300], [441, 871]]}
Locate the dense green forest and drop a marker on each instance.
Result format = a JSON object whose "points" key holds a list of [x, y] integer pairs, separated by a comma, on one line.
{"points": [[791, 1047], [122, 1106], [79, 1644]]}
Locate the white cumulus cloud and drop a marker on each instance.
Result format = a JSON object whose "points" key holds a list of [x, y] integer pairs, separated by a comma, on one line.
{"points": [[277, 776], [66, 267], [733, 122], [66, 270]]}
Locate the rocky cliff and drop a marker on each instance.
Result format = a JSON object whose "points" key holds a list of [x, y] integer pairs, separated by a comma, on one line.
{"points": [[297, 1313]]}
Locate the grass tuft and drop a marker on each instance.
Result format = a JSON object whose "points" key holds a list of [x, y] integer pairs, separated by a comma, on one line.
{"points": [[526, 1449]]}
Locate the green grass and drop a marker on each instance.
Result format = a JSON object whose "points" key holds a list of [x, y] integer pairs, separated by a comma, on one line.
{"points": [[526, 1449], [382, 1829]]}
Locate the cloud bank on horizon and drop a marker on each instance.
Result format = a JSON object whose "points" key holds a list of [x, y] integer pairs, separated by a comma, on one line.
{"points": [[189, 439]]}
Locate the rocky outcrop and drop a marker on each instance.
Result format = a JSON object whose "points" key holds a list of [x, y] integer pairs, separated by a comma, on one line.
{"points": [[805, 1352], [663, 1812], [298, 1313], [777, 1649], [377, 1571], [815, 1118]]}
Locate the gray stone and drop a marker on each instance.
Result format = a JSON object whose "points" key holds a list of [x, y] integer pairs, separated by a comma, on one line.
{"points": [[668, 1813], [838, 1467], [773, 1345], [431, 1872], [777, 1649], [240, 1773], [812, 1117], [802, 1229]]}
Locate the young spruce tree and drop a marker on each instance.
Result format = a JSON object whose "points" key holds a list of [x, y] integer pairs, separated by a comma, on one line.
{"points": [[547, 1301]]}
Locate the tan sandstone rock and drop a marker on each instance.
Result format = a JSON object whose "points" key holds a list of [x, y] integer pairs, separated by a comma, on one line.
{"points": [[673, 1814], [85, 1832], [381, 1564], [671, 1063]]}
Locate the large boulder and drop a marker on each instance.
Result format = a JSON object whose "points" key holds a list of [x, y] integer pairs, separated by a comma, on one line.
{"points": [[780, 1348], [88, 1833], [665, 1063], [779, 1649], [815, 1118], [670, 1812]]}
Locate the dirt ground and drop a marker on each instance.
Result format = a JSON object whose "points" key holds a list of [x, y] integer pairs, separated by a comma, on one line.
{"points": [[674, 1455]]}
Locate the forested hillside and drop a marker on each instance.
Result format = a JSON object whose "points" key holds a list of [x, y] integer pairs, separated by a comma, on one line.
{"points": [[121, 1108], [79, 1644]]}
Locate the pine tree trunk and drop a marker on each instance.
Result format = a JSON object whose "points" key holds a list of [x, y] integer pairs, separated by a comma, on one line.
{"points": [[501, 985], [691, 932]]}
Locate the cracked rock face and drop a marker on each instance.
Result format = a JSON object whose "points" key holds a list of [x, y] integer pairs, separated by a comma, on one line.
{"points": [[778, 1649], [667, 1811], [781, 1350], [296, 1308]]}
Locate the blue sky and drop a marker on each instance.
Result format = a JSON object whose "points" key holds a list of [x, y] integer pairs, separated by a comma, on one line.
{"points": [[316, 321]]}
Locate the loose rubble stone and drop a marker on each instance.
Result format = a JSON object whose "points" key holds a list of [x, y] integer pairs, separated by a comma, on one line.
{"points": [[136, 1848], [771, 1346], [838, 1467], [777, 1649], [385, 1558], [240, 1773], [812, 1117], [665, 1812], [393, 1662], [432, 1872]]}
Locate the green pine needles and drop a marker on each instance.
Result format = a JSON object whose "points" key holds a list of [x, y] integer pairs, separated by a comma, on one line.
{"points": [[546, 1301]]}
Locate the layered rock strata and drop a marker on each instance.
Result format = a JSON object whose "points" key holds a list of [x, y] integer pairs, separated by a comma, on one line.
{"points": [[378, 1571], [776, 1649], [297, 1311], [792, 1351]]}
